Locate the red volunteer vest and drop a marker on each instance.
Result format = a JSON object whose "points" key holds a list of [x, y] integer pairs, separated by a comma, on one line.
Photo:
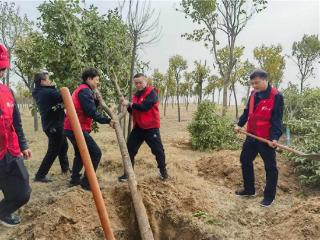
{"points": [[259, 122], [84, 119], [8, 138], [149, 119]]}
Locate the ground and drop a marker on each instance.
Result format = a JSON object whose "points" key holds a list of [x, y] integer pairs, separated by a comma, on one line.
{"points": [[197, 203]]}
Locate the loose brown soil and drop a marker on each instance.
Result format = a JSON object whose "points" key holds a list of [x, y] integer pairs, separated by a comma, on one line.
{"points": [[197, 203]]}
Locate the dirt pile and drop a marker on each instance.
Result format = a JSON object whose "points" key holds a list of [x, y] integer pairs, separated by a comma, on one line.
{"points": [[224, 168]]}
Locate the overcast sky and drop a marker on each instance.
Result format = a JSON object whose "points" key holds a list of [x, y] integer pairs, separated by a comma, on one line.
{"points": [[283, 22]]}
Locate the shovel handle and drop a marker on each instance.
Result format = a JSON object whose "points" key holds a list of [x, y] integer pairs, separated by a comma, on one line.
{"points": [[270, 142]]}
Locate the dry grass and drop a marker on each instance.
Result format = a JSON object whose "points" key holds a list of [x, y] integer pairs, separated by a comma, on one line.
{"points": [[196, 203]]}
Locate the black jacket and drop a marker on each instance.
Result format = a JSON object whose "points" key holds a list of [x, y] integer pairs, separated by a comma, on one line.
{"points": [[89, 105], [277, 113], [50, 105]]}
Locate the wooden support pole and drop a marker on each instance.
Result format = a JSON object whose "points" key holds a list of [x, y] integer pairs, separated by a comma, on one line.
{"points": [[85, 156], [141, 213]]}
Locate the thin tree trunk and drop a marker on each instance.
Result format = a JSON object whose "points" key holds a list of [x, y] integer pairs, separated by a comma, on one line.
{"points": [[213, 96], [187, 102], [230, 94], [35, 117], [178, 102], [165, 105], [236, 101], [133, 60], [200, 91], [248, 92]]}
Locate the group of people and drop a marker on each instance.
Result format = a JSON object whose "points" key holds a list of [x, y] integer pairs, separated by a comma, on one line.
{"points": [[263, 116]]}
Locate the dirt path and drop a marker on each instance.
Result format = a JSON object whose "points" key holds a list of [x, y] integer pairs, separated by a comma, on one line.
{"points": [[196, 203]]}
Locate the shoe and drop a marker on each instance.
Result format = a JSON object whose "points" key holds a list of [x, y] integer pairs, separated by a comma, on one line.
{"points": [[43, 179], [86, 187], [10, 221], [244, 193], [266, 202], [164, 174], [74, 182], [123, 178], [65, 171]]}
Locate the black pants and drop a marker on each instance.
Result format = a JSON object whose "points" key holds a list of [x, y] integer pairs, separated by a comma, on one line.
{"points": [[57, 147], [152, 138], [95, 154], [14, 183], [250, 150]]}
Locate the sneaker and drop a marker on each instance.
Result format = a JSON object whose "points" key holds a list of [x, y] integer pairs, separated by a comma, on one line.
{"points": [[164, 174], [266, 202], [244, 193], [123, 178], [42, 179], [10, 221]]}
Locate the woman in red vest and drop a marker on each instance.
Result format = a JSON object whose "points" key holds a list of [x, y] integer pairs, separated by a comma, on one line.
{"points": [[14, 178], [263, 116], [146, 123]]}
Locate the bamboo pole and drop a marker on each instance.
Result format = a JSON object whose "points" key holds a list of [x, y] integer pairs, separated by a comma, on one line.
{"points": [[85, 156], [141, 213]]}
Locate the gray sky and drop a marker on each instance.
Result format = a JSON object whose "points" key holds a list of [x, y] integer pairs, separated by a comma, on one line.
{"points": [[283, 22]]}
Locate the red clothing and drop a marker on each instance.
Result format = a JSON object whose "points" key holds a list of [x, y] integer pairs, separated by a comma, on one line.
{"points": [[84, 119], [259, 120], [9, 141], [146, 119]]}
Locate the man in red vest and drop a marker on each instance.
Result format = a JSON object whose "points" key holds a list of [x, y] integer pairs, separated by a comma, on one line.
{"points": [[14, 178], [146, 123], [86, 104], [263, 116]]}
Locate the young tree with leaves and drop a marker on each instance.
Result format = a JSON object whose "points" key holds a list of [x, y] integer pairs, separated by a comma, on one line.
{"points": [[200, 74], [13, 26], [272, 61], [143, 24], [224, 16], [177, 64], [189, 82], [305, 54]]}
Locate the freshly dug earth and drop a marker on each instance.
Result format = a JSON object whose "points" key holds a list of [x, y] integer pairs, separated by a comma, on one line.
{"points": [[197, 203]]}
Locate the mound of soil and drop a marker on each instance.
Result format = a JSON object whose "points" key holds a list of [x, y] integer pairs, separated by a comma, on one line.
{"points": [[224, 168]]}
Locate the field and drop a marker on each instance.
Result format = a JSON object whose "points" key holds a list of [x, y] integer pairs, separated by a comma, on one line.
{"points": [[197, 203]]}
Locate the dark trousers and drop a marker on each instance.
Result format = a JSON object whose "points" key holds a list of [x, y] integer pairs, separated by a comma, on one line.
{"points": [[14, 183], [250, 150], [57, 147], [95, 154], [152, 138]]}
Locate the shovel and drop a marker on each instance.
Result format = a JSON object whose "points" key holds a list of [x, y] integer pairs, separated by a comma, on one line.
{"points": [[315, 156]]}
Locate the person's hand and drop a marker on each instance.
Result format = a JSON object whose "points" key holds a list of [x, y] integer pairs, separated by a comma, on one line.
{"points": [[273, 143], [112, 124], [237, 128], [27, 153]]}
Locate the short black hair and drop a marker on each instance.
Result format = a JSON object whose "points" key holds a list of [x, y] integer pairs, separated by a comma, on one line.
{"points": [[89, 73], [38, 77], [139, 75], [259, 73]]}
